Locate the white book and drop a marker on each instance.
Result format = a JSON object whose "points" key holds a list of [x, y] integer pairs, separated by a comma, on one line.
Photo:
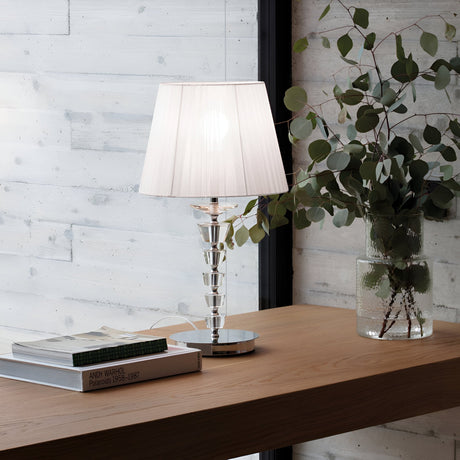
{"points": [[175, 360]]}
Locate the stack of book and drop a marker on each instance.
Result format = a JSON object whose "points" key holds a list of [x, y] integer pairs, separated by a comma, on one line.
{"points": [[98, 359]]}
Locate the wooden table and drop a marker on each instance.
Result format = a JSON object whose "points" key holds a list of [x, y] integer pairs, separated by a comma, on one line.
{"points": [[311, 376]]}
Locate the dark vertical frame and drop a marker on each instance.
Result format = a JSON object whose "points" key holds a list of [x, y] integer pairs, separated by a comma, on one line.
{"points": [[275, 252]]}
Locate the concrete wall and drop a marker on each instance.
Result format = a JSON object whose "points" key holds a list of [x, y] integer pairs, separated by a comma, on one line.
{"points": [[79, 246], [324, 257]]}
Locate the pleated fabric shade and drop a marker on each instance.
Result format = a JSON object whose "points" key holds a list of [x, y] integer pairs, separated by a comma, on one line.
{"points": [[212, 140]]}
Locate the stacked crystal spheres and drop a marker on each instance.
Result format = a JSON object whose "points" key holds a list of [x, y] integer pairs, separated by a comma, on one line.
{"points": [[394, 295]]}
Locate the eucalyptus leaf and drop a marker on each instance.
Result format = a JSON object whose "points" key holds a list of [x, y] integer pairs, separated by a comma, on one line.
{"points": [[319, 150], [361, 17], [301, 128], [295, 98], [351, 97], [399, 48], [388, 97], [340, 218], [315, 214], [325, 42], [342, 118], [447, 171], [442, 196], [325, 11], [450, 32], [454, 126], [384, 289], [369, 41], [448, 153], [300, 219], [344, 44], [300, 45], [429, 43], [351, 133], [442, 78], [367, 122], [416, 142], [241, 235], [338, 161], [431, 135], [256, 233], [250, 206]]}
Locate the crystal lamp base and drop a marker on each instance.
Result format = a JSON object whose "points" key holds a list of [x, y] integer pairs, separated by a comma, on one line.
{"points": [[230, 341]]}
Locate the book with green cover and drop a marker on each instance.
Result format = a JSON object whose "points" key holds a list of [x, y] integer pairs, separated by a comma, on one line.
{"points": [[104, 344]]}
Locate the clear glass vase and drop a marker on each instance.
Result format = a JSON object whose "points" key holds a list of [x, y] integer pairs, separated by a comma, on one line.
{"points": [[393, 280]]}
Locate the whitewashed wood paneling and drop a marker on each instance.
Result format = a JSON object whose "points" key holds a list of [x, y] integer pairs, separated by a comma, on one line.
{"points": [[38, 17], [377, 444], [323, 253]]}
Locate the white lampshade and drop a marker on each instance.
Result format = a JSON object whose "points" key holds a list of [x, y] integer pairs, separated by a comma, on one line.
{"points": [[212, 140]]}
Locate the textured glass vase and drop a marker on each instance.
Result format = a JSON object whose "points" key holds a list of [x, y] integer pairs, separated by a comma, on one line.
{"points": [[393, 280]]}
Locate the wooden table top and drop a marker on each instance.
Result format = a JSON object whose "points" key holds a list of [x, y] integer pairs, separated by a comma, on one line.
{"points": [[311, 376]]}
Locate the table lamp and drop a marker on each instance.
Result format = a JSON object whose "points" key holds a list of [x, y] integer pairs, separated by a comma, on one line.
{"points": [[212, 140]]}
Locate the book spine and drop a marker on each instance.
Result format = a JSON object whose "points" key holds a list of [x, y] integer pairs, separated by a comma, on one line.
{"points": [[122, 374], [123, 351]]}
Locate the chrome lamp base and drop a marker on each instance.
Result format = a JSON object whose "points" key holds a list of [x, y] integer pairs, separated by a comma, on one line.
{"points": [[230, 342]]}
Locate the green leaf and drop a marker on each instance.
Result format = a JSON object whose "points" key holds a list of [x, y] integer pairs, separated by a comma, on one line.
{"points": [[250, 206], [388, 97], [342, 117], [414, 140], [448, 153], [256, 233], [431, 135], [455, 63], [450, 32], [454, 126], [344, 44], [367, 122], [340, 218], [429, 43], [324, 177], [325, 42], [384, 289], [399, 49], [362, 82], [399, 70], [241, 235], [442, 78], [301, 128], [300, 45], [322, 125], [452, 184], [338, 161], [442, 196], [275, 208], [367, 170], [447, 171], [315, 214], [351, 97], [262, 220], [300, 219], [278, 221], [319, 150], [369, 41], [353, 148], [418, 169], [351, 133], [325, 11], [361, 17], [295, 98]]}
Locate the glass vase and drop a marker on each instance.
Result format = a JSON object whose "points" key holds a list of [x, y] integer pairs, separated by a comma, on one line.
{"points": [[393, 280]]}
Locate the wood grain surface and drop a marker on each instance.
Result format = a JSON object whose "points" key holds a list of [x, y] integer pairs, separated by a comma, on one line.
{"points": [[311, 376]]}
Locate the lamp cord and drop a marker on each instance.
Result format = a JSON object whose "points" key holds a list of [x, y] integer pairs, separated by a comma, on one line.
{"points": [[173, 316]]}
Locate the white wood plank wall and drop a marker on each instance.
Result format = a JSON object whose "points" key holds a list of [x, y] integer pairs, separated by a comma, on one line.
{"points": [[324, 258], [79, 246]]}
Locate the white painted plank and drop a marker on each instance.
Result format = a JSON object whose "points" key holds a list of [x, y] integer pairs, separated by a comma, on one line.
{"points": [[241, 18], [103, 170], [81, 92], [47, 240], [33, 128], [194, 57], [110, 131], [384, 17], [321, 276], [54, 315], [377, 444], [443, 424], [200, 18], [50, 17], [241, 59]]}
